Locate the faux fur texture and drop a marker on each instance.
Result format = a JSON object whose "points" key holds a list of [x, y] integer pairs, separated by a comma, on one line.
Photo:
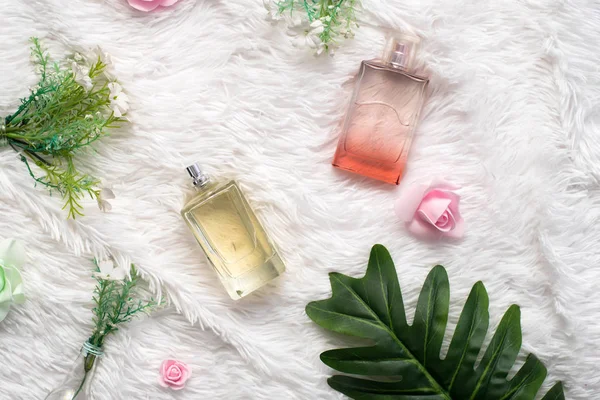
{"points": [[513, 118]]}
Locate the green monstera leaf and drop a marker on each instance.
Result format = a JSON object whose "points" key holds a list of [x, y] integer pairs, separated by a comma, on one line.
{"points": [[405, 363]]}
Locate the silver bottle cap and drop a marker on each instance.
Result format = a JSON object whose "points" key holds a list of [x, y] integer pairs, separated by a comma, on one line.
{"points": [[199, 177]]}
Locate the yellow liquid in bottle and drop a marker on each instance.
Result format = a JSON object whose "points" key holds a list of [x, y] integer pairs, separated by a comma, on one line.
{"points": [[233, 239]]}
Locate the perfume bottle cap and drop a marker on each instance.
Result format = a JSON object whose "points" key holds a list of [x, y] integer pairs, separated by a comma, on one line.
{"points": [[199, 177], [400, 51]]}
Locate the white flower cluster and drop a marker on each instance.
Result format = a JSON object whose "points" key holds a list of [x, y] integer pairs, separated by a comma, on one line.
{"points": [[81, 65], [82, 75], [110, 272], [311, 38], [119, 102], [303, 32], [317, 25]]}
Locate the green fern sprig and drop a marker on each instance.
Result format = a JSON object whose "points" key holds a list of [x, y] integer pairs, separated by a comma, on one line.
{"points": [[116, 304], [70, 108]]}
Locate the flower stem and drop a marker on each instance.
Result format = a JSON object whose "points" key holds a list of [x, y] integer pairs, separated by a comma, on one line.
{"points": [[80, 386], [88, 364]]}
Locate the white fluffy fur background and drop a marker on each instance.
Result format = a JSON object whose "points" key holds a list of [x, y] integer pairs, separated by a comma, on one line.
{"points": [[513, 118]]}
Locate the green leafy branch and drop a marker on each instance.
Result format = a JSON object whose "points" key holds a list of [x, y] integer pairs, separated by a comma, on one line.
{"points": [[404, 363], [115, 304], [70, 108]]}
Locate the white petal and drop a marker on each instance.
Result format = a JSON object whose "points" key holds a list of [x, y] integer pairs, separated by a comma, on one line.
{"points": [[104, 205], [296, 21], [87, 82], [299, 41], [100, 276], [114, 88], [122, 104], [123, 96], [106, 267], [316, 23], [317, 31], [107, 194], [118, 274], [104, 57]]}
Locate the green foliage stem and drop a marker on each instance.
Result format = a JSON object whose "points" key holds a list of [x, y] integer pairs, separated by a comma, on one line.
{"points": [[115, 304]]}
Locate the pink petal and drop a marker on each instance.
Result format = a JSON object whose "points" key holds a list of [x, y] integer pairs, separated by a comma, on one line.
{"points": [[422, 229], [458, 231], [432, 208], [186, 373], [144, 5], [446, 222], [178, 386], [408, 201], [162, 382], [439, 193], [167, 3], [174, 373], [454, 203], [166, 367]]}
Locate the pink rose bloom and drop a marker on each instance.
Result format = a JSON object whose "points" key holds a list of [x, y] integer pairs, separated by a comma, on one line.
{"points": [[431, 212], [150, 5], [174, 374]]}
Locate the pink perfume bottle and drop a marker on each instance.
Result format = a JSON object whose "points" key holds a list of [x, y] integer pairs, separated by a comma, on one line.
{"points": [[383, 114]]}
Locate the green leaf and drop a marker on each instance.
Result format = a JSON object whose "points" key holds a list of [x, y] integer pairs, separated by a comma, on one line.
{"points": [[404, 362], [467, 340], [556, 393], [427, 332]]}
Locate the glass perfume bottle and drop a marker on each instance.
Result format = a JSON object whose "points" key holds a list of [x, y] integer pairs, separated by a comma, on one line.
{"points": [[383, 114], [231, 236]]}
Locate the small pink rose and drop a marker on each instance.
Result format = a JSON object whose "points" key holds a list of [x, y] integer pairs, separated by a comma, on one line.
{"points": [[150, 5], [174, 374], [431, 212]]}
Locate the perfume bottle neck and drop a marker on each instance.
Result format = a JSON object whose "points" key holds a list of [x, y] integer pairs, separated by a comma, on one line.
{"points": [[89, 348], [201, 187], [400, 57], [400, 52]]}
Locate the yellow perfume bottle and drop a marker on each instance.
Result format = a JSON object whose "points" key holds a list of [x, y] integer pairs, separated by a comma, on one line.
{"points": [[231, 236]]}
